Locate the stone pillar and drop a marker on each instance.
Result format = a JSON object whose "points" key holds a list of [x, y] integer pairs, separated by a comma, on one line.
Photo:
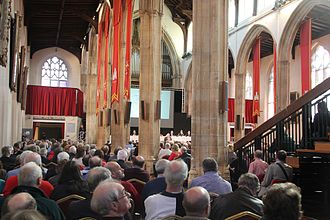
{"points": [[209, 71], [150, 77], [91, 119], [239, 105], [120, 131], [283, 85]]}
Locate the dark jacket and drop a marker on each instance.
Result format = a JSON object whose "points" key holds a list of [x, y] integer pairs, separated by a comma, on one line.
{"points": [[46, 206], [137, 173], [152, 187], [81, 209], [233, 203], [66, 189]]}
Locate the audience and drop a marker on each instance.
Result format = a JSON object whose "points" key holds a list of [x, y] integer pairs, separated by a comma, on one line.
{"points": [[169, 202], [258, 166], [122, 156], [110, 200], [8, 162], [242, 199], [175, 152], [196, 202], [282, 202], [30, 214], [165, 152], [211, 180], [82, 209], [30, 177]]}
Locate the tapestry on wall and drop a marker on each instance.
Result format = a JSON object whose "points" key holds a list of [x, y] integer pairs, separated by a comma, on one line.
{"points": [[14, 67], [4, 30]]}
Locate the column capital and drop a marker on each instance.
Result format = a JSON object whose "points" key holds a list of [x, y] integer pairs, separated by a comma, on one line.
{"points": [[151, 7]]}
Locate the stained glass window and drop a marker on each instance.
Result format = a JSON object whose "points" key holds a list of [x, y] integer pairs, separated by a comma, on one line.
{"points": [[54, 73]]}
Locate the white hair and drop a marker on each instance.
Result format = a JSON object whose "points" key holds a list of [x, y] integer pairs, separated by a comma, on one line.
{"points": [[122, 155], [29, 174], [62, 156]]}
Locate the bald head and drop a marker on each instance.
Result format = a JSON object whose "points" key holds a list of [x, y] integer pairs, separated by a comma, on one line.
{"points": [[138, 161], [21, 201], [196, 202], [117, 172]]}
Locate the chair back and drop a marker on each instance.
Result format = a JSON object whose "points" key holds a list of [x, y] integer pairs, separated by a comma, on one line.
{"points": [[245, 215], [138, 184], [64, 203]]}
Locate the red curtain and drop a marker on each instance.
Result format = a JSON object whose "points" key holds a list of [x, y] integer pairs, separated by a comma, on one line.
{"points": [[256, 78], [305, 48], [42, 100], [249, 118]]}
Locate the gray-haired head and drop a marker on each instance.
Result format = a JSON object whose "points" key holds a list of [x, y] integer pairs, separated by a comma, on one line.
{"points": [[105, 194], [249, 181], [161, 165], [258, 154], [30, 175], [97, 175], [176, 172], [63, 156], [23, 155], [95, 162], [33, 157]]}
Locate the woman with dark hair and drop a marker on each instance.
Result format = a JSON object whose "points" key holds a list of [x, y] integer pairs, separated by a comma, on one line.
{"points": [[70, 182]]}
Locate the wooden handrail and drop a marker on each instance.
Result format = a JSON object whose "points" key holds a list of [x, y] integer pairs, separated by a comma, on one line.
{"points": [[295, 106]]}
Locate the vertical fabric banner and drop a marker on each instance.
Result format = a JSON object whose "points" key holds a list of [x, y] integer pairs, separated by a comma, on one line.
{"points": [[106, 57], [256, 78], [99, 47], [117, 13], [275, 75], [305, 49], [128, 50]]}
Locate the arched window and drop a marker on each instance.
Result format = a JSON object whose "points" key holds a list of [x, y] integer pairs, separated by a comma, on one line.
{"points": [[320, 66], [54, 73], [271, 99], [248, 86]]}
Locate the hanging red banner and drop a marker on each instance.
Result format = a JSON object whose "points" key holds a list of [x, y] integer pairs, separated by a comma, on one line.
{"points": [[99, 46], [305, 48], [117, 13], [256, 78], [275, 75], [127, 82], [106, 57]]}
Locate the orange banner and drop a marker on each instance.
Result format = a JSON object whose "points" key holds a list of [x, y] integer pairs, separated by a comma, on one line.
{"points": [[256, 78], [127, 82], [99, 46], [117, 14], [106, 57]]}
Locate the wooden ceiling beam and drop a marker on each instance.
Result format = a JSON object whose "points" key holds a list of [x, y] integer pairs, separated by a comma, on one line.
{"points": [[60, 22]]}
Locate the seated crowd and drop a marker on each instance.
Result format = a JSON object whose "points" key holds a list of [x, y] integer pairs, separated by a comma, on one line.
{"points": [[52, 180]]}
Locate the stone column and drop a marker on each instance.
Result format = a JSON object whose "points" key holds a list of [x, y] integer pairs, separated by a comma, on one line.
{"points": [[150, 77], [239, 105], [91, 119], [283, 85], [209, 71]]}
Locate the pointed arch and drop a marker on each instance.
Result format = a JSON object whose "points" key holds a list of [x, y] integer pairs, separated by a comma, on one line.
{"points": [[284, 48]]}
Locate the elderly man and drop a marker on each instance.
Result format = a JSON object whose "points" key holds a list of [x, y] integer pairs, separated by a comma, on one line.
{"points": [[258, 166], [211, 180], [137, 170], [196, 202], [12, 181], [168, 202], [82, 209], [110, 200], [19, 201], [30, 177], [117, 174], [242, 199], [156, 185]]}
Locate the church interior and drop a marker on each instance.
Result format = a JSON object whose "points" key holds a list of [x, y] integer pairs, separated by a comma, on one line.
{"points": [[222, 77]]}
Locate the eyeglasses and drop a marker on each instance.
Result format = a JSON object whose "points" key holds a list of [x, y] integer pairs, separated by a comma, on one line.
{"points": [[124, 194]]}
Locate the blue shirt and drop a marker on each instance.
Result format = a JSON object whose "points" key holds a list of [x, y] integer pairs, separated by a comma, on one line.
{"points": [[212, 182]]}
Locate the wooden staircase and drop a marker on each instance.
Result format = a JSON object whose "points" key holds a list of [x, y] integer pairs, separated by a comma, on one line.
{"points": [[308, 152]]}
